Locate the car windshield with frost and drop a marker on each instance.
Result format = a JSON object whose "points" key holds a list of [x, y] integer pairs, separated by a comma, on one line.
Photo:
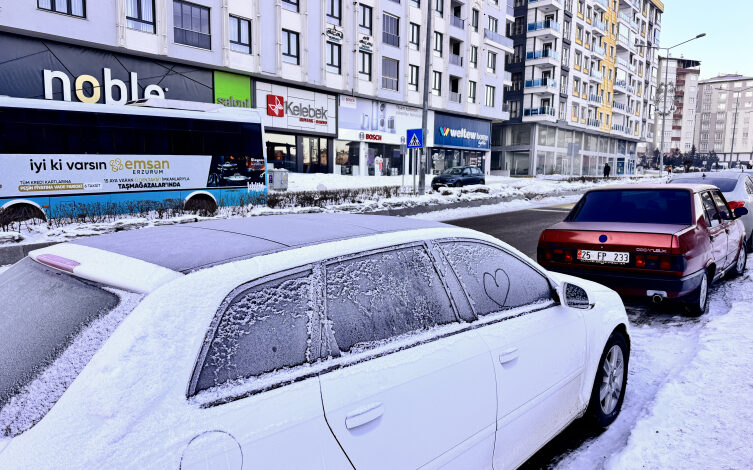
{"points": [[47, 337], [640, 206]]}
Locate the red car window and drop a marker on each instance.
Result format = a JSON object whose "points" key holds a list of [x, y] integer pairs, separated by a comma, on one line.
{"points": [[712, 214], [721, 205]]}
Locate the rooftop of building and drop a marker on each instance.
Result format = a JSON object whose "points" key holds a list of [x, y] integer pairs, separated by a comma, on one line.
{"points": [[727, 78]]}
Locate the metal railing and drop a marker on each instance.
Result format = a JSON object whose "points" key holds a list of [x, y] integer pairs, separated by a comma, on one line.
{"points": [[390, 39], [541, 82], [541, 111], [548, 24], [498, 38], [456, 59], [455, 97], [457, 22], [543, 54]]}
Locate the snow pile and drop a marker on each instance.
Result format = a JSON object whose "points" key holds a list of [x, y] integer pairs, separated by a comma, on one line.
{"points": [[701, 418]]}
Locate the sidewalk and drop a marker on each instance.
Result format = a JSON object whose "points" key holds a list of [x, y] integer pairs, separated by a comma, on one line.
{"points": [[498, 195]]}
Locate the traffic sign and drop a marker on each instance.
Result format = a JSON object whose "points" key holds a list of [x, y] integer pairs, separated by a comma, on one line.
{"points": [[415, 138]]}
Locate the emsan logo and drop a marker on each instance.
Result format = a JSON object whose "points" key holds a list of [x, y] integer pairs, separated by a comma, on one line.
{"points": [[105, 87], [275, 106]]}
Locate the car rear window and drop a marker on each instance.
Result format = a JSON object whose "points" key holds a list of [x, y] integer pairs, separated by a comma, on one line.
{"points": [[725, 184], [642, 206], [51, 324]]}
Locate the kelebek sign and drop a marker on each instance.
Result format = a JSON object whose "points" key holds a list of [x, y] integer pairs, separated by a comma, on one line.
{"points": [[291, 108]]}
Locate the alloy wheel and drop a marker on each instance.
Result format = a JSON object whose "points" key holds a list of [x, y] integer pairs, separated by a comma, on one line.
{"points": [[612, 380]]}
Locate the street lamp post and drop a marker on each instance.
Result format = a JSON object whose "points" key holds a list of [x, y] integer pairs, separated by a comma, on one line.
{"points": [[664, 100]]}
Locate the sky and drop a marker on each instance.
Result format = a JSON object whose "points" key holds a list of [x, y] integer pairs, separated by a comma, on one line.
{"points": [[729, 34]]}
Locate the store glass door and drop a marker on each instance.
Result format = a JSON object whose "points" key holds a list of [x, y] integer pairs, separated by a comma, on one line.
{"points": [[314, 155]]}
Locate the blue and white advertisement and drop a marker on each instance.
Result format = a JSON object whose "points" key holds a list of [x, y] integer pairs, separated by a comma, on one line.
{"points": [[461, 132], [366, 120]]}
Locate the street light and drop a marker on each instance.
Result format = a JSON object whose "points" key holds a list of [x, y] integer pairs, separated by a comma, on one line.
{"points": [[664, 102], [734, 122]]}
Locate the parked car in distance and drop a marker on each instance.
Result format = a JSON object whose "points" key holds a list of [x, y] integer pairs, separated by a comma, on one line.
{"points": [[735, 185], [656, 241], [458, 176], [302, 341]]}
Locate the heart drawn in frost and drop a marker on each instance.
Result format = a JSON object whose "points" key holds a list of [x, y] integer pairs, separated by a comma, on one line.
{"points": [[497, 286]]}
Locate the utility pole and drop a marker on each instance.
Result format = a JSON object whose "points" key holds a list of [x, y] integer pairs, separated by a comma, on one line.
{"points": [[734, 127], [425, 114]]}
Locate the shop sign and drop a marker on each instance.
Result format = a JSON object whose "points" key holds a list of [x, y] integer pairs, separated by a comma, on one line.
{"points": [[365, 43], [461, 132], [333, 33], [361, 119], [232, 90], [44, 69], [291, 108]]}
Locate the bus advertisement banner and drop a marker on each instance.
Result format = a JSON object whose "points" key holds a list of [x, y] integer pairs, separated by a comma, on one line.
{"points": [[34, 175]]}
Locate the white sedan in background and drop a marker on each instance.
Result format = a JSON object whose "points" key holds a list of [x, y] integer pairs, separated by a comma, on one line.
{"points": [[736, 186], [305, 341]]}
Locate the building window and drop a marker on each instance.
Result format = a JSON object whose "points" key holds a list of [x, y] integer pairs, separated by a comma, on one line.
{"points": [[413, 77], [439, 7], [474, 56], [491, 62], [191, 25], [474, 19], [390, 70], [66, 7], [490, 96], [364, 64], [240, 34], [140, 15], [333, 57], [290, 5], [290, 47], [493, 24], [415, 32], [415, 3], [391, 30], [471, 91], [366, 18], [436, 87], [334, 11], [438, 40]]}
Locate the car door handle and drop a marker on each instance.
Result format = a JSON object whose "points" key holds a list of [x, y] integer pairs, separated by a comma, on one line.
{"points": [[508, 355], [364, 415]]}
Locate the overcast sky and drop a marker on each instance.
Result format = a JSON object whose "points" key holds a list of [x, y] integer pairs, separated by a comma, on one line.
{"points": [[728, 24]]}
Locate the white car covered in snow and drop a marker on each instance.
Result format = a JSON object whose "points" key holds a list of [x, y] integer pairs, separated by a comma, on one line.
{"points": [[304, 341]]}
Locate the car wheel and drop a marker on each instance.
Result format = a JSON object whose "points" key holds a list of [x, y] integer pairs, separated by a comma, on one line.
{"points": [[740, 263], [610, 383], [699, 300], [749, 244], [482, 182], [458, 184]]}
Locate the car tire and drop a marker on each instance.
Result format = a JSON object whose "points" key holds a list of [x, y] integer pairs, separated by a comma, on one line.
{"points": [[740, 263], [458, 184], [749, 244], [608, 391], [482, 182], [698, 301]]}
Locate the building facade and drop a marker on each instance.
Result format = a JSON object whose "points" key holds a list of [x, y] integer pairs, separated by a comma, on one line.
{"points": [[338, 83], [723, 118], [583, 84], [679, 119]]}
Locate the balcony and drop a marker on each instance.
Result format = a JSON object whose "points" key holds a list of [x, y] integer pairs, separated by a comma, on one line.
{"points": [[455, 97], [541, 85], [543, 113], [593, 98], [600, 27], [506, 78], [597, 74], [629, 21], [618, 106], [624, 42], [626, 65], [456, 60], [602, 5], [546, 6], [620, 128], [457, 22], [499, 40], [547, 30], [390, 39], [593, 122], [598, 50], [548, 57]]}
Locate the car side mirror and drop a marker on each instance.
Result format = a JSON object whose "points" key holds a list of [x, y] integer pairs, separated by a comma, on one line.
{"points": [[740, 211], [574, 297]]}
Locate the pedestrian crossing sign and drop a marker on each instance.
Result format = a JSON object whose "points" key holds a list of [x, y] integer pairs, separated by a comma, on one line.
{"points": [[415, 138]]}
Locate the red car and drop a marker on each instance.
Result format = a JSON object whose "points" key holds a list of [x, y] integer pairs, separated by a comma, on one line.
{"points": [[657, 241]]}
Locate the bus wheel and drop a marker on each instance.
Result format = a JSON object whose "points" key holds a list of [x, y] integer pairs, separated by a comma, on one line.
{"points": [[20, 213], [201, 205]]}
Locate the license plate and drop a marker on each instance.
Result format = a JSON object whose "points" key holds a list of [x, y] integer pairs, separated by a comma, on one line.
{"points": [[603, 257]]}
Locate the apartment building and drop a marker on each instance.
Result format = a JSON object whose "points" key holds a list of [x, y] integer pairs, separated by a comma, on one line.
{"points": [[338, 83], [583, 84], [723, 118], [679, 119]]}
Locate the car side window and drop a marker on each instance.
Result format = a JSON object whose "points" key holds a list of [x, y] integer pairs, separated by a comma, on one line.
{"points": [[466, 172], [493, 279], [374, 297], [262, 328], [749, 186], [721, 205], [712, 214]]}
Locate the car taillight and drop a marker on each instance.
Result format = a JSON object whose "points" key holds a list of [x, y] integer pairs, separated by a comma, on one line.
{"points": [[640, 261], [660, 262], [568, 257], [548, 255], [665, 263]]}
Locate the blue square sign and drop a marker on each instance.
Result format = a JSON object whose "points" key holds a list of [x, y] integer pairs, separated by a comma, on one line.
{"points": [[415, 138]]}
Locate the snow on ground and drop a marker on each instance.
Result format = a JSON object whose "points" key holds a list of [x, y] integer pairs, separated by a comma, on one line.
{"points": [[689, 400], [519, 193]]}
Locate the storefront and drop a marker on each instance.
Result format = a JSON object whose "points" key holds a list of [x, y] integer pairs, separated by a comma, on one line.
{"points": [[371, 137], [300, 127], [459, 141]]}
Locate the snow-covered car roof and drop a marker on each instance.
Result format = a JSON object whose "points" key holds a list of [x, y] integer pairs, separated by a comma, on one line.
{"points": [[189, 247]]}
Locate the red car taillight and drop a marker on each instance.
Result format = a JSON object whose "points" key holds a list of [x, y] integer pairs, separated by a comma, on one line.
{"points": [[640, 261]]}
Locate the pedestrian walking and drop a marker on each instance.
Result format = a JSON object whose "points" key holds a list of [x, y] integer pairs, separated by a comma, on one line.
{"points": [[607, 170]]}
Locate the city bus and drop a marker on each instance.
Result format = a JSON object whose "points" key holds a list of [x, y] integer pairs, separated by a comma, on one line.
{"points": [[69, 159]]}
